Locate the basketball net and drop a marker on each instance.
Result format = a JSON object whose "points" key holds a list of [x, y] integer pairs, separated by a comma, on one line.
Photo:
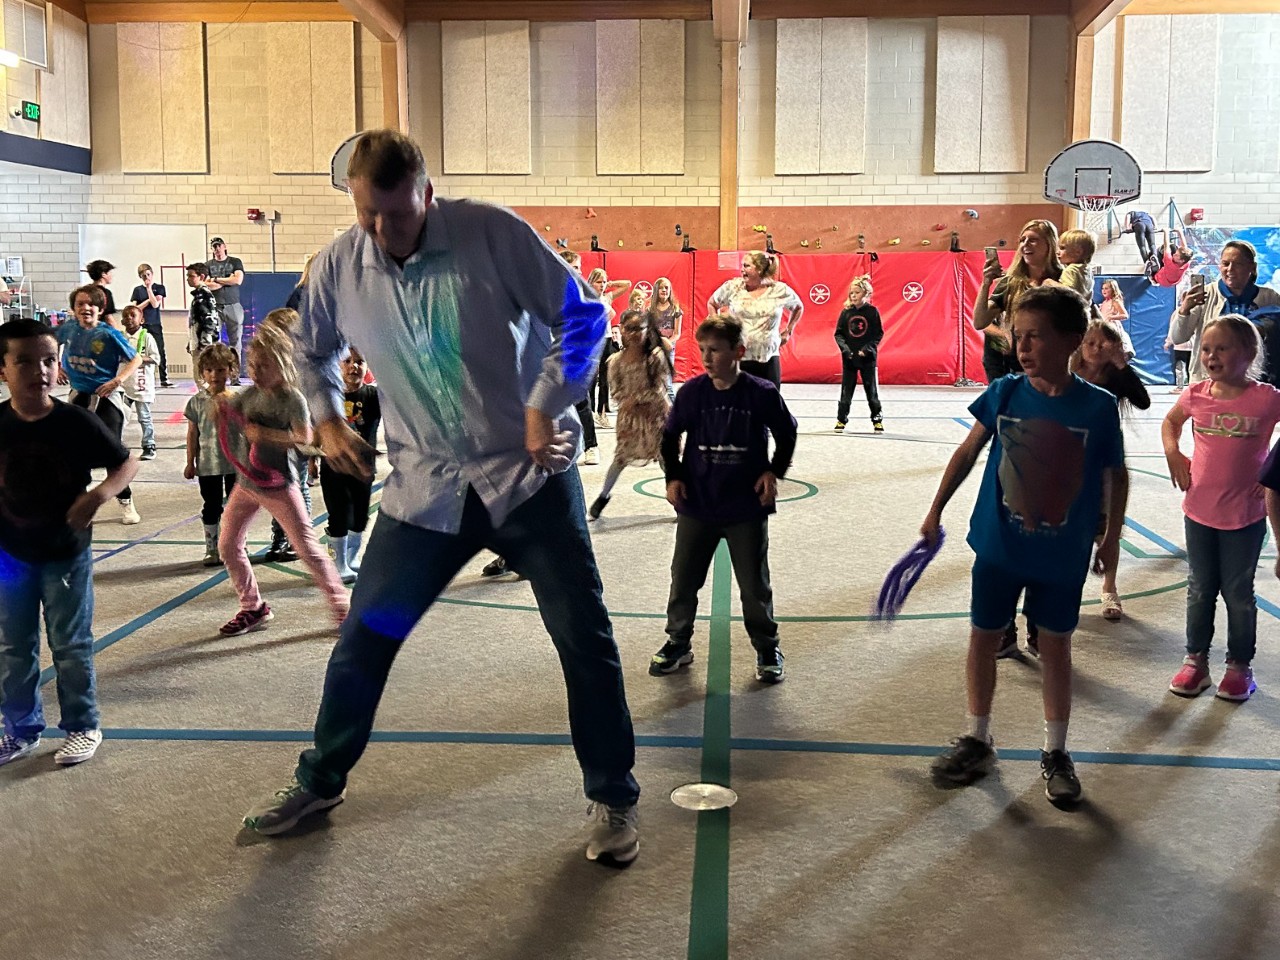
{"points": [[1094, 210]]}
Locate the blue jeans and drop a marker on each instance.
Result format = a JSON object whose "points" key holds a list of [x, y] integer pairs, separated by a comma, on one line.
{"points": [[1223, 562], [143, 411], [64, 588], [406, 568]]}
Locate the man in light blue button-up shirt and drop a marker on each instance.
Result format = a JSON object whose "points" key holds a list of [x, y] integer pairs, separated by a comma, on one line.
{"points": [[482, 339]]}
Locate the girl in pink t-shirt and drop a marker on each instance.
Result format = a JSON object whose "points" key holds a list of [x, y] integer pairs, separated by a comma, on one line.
{"points": [[1232, 417]]}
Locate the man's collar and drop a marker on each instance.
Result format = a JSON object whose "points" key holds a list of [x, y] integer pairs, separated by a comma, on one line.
{"points": [[434, 239]]}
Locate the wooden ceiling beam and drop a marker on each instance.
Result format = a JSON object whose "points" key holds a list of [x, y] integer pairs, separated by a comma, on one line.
{"points": [[729, 20], [73, 7], [1158, 7], [802, 9], [383, 18], [303, 11], [1090, 16], [566, 10]]}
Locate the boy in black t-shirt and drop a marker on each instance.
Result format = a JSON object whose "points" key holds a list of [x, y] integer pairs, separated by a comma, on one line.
{"points": [[724, 488], [347, 497], [47, 449]]}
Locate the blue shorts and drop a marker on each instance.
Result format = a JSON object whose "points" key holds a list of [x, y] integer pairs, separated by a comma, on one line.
{"points": [[993, 602]]}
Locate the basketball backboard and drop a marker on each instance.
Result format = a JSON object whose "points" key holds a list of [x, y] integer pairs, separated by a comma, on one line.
{"points": [[338, 165], [1088, 171]]}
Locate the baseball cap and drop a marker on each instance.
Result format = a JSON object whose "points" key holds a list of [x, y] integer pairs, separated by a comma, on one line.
{"points": [[216, 241]]}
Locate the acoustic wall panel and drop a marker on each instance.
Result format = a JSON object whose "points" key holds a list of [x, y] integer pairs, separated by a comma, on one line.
{"points": [[1144, 119], [983, 69], [64, 89], [507, 96], [843, 120], [182, 98], [1006, 53], [141, 115], [289, 132], [333, 89], [661, 96], [1193, 106], [486, 100], [798, 114], [463, 72], [618, 127], [957, 139]]}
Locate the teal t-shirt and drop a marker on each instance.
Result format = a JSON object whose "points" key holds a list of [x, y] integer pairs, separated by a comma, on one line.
{"points": [[1037, 510], [92, 357]]}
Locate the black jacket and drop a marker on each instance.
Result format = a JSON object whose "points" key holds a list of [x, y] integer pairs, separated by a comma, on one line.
{"points": [[859, 329]]}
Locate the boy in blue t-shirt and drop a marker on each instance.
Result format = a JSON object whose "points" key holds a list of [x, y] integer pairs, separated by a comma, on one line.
{"points": [[724, 488], [47, 449], [1056, 462]]}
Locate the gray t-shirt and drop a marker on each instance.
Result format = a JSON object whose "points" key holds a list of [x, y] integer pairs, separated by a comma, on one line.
{"points": [[225, 268], [278, 410], [210, 460]]}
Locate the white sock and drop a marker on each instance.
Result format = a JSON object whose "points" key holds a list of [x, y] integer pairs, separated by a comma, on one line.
{"points": [[980, 728], [1055, 735]]}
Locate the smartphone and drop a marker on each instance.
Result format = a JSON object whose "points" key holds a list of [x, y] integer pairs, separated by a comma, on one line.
{"points": [[1197, 282], [993, 253]]}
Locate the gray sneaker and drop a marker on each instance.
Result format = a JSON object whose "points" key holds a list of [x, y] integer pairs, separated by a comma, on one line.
{"points": [[614, 838], [15, 748], [286, 807]]}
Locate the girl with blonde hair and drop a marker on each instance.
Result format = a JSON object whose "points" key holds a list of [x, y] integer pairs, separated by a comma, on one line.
{"points": [[858, 334], [1035, 263]]}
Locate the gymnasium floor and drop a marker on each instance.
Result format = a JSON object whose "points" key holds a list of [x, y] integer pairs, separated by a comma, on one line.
{"points": [[463, 829]]}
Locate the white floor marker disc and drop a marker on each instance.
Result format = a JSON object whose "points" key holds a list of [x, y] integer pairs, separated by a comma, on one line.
{"points": [[703, 796]]}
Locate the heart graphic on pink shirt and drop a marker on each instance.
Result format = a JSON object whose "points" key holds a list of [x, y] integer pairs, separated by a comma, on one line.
{"points": [[1229, 422]]}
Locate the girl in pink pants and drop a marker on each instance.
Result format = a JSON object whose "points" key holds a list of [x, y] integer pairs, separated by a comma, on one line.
{"points": [[257, 427]]}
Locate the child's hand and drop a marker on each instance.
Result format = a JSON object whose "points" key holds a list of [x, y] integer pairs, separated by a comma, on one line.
{"points": [[108, 388], [675, 492], [767, 488], [1179, 469], [254, 433], [931, 529], [189, 472]]}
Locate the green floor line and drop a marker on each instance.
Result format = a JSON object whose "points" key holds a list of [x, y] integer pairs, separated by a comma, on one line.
{"points": [[709, 908]]}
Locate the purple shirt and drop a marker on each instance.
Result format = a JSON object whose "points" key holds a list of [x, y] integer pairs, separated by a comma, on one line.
{"points": [[726, 446]]}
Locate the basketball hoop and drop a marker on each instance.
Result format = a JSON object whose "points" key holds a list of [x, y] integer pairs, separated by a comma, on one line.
{"points": [[1096, 207]]}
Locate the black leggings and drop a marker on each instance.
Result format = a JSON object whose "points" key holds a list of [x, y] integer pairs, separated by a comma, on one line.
{"points": [[112, 418], [588, 424], [853, 366], [600, 390], [347, 500], [214, 491], [770, 369]]}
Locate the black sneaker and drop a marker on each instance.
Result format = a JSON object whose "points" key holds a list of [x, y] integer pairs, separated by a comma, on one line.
{"points": [[1009, 645], [281, 551], [969, 759], [148, 453], [769, 668], [597, 507], [1061, 785], [877, 426], [495, 567], [670, 658]]}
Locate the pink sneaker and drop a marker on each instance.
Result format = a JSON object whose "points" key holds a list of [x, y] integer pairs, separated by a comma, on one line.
{"points": [[1193, 678], [1237, 682], [246, 621]]}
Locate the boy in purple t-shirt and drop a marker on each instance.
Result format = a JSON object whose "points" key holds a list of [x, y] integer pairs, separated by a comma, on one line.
{"points": [[724, 488]]}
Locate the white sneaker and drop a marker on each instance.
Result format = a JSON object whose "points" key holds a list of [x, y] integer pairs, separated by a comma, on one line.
{"points": [[591, 458], [129, 514], [80, 746], [614, 838], [15, 748]]}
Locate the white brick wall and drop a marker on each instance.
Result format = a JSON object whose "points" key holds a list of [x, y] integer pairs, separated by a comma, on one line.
{"points": [[1243, 188], [900, 108]]}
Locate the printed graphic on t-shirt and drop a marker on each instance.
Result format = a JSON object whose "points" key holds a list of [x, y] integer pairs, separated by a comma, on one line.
{"points": [[1234, 425], [858, 326], [732, 428], [354, 412], [1041, 470]]}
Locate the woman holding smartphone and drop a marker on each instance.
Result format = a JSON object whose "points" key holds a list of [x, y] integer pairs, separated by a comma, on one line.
{"points": [[1236, 292], [1035, 263]]}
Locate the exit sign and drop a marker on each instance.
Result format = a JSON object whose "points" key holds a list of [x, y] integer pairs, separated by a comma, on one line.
{"points": [[30, 111]]}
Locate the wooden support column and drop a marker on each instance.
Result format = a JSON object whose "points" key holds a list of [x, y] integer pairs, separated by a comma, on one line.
{"points": [[730, 100], [395, 83], [1080, 90]]}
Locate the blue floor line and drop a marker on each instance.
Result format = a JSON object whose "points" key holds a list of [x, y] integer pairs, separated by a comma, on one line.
{"points": [[967, 424], [1155, 538], [692, 742], [150, 536]]}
